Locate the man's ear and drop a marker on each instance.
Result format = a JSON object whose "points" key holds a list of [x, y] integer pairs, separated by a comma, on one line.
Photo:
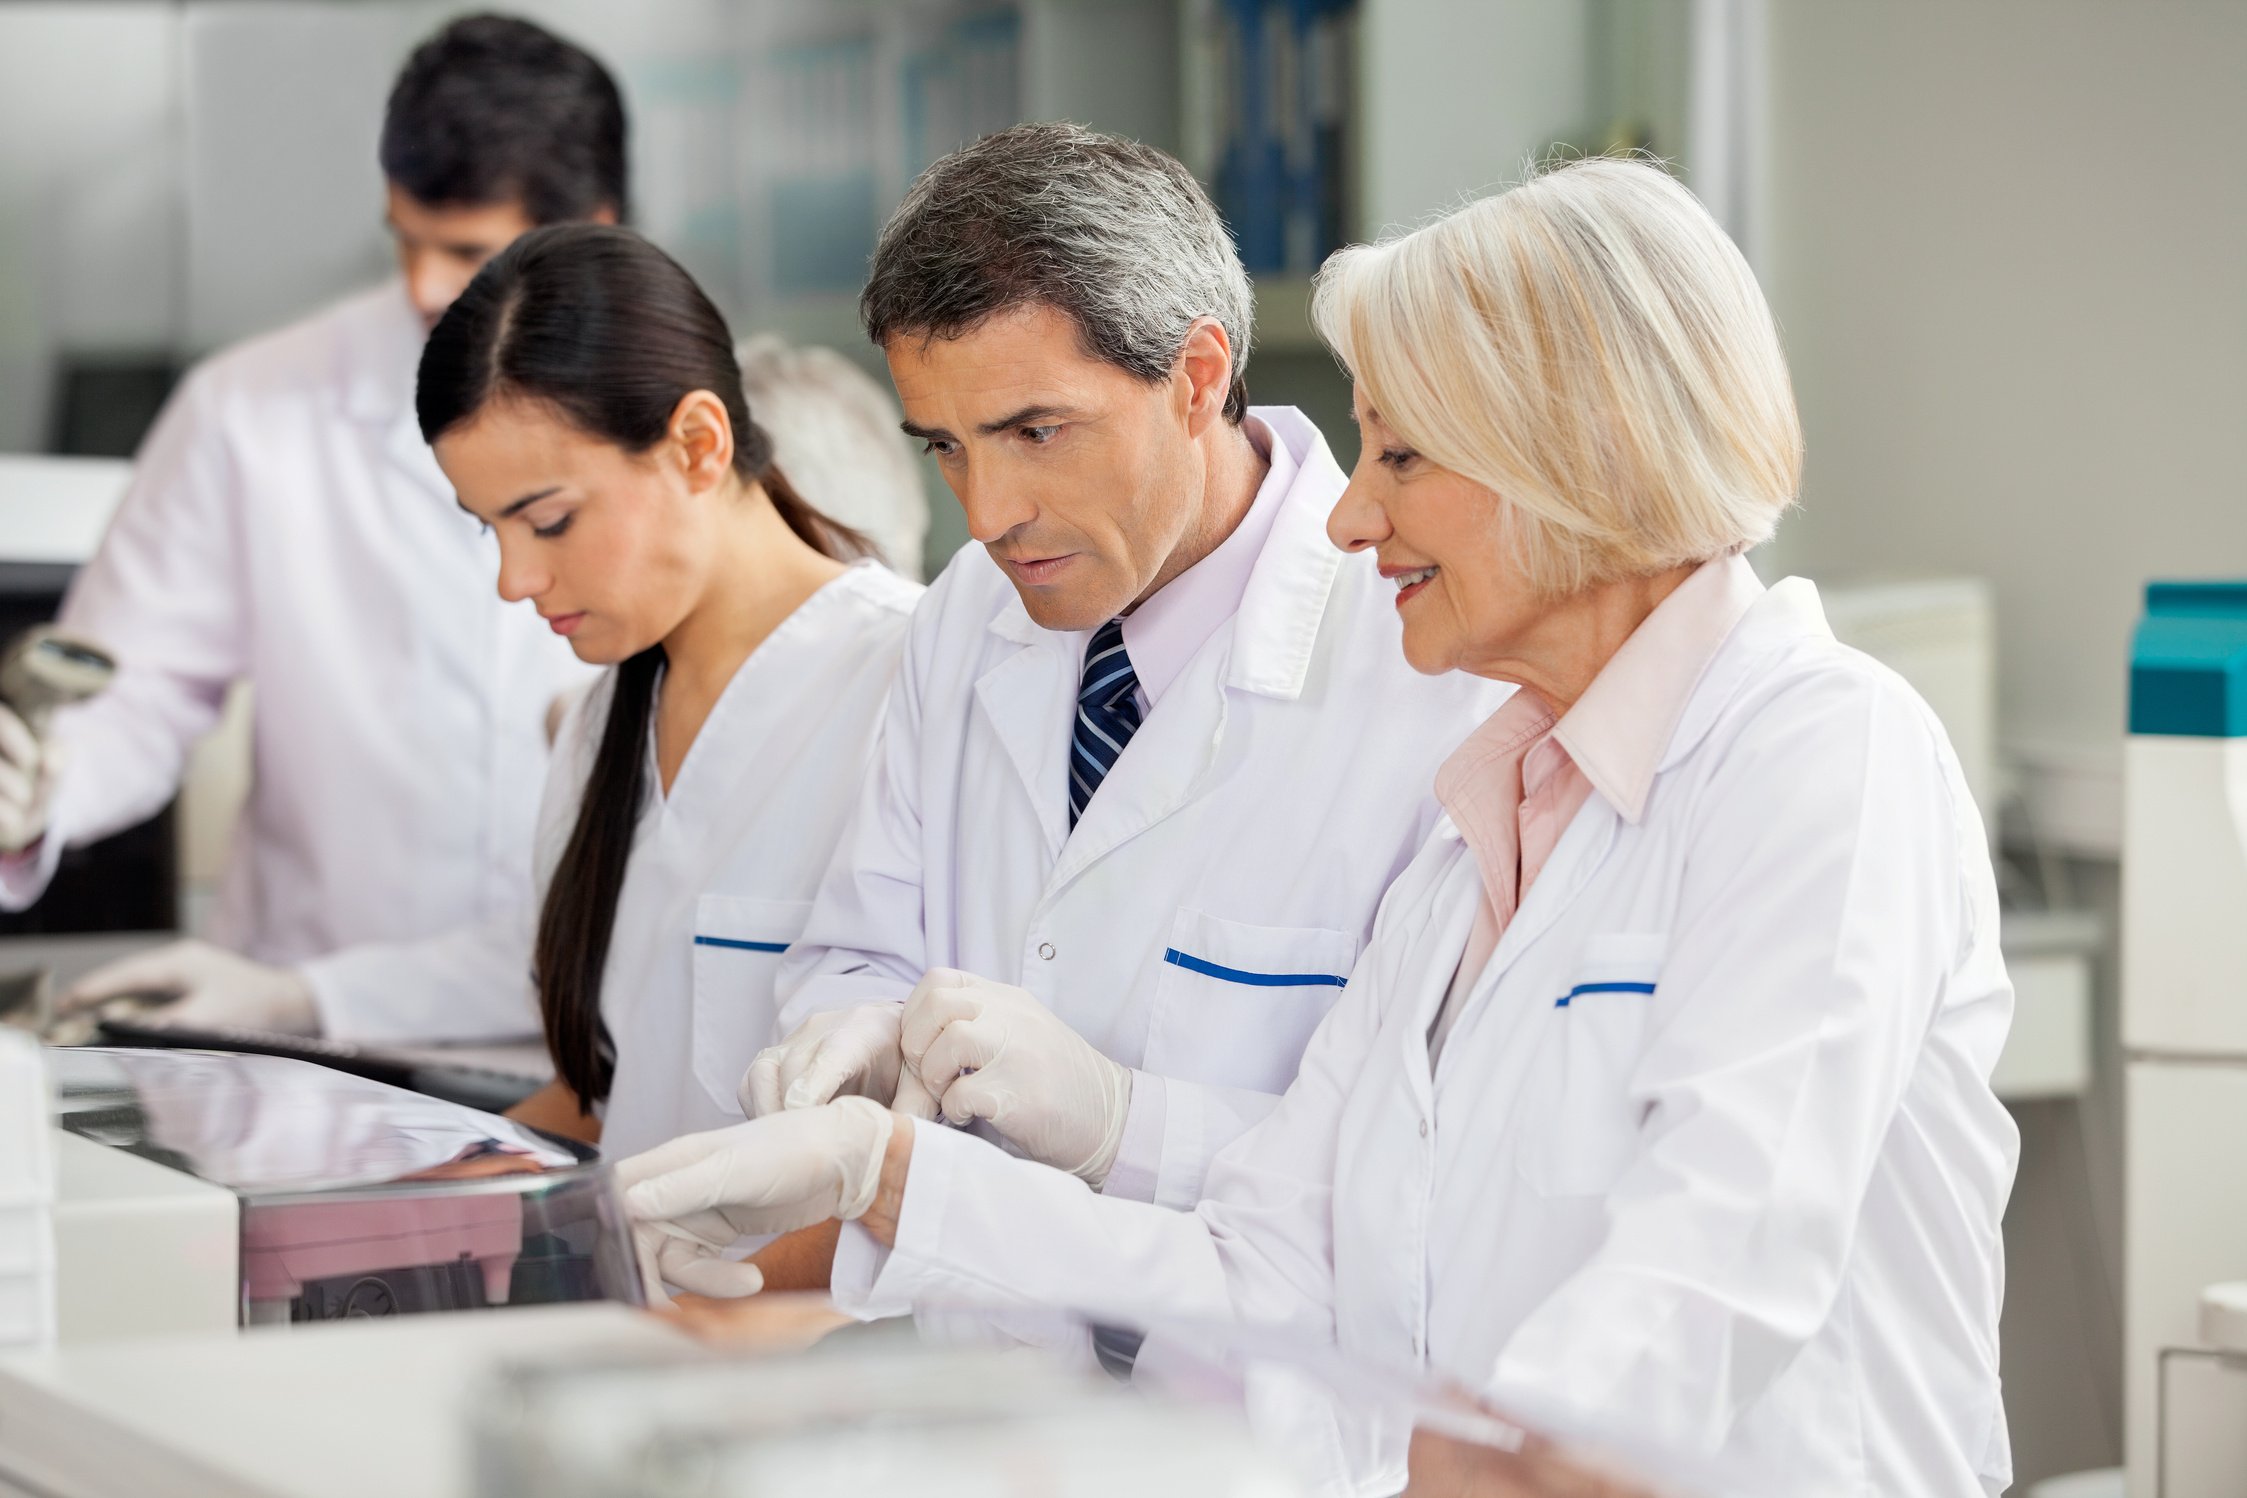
{"points": [[1205, 363]]}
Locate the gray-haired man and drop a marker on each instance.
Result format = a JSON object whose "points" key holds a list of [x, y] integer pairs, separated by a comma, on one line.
{"points": [[1154, 753]]}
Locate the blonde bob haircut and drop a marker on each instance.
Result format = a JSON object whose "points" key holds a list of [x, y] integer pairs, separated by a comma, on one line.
{"points": [[1592, 348]]}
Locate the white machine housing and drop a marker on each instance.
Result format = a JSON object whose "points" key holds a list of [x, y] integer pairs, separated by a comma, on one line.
{"points": [[2184, 1033]]}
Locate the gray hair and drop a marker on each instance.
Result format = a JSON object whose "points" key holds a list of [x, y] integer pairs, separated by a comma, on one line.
{"points": [[1117, 236], [835, 434]]}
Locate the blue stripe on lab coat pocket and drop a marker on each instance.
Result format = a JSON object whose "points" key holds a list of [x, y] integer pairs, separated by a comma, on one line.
{"points": [[1584, 988], [741, 946], [1192, 964]]}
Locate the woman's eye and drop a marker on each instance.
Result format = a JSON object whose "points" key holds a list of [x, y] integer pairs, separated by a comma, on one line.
{"points": [[549, 532], [1397, 459]]}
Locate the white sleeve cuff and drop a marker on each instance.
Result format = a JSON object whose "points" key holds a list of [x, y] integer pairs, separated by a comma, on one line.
{"points": [[1138, 1167], [871, 1282]]}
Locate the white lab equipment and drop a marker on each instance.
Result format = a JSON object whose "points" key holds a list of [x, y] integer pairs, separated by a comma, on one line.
{"points": [[1940, 635], [285, 1192], [2184, 1035], [27, 1197], [45, 668], [597, 1401], [870, 1412], [1204, 913], [343, 1409]]}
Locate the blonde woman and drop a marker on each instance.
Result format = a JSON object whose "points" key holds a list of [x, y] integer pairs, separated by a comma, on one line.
{"points": [[1661, 1093]]}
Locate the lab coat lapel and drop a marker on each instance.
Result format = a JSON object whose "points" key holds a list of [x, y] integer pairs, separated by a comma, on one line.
{"points": [[1025, 698], [1156, 775], [1575, 863], [1441, 937]]}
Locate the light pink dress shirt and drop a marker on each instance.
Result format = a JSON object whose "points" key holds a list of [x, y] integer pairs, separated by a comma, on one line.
{"points": [[1517, 782]]}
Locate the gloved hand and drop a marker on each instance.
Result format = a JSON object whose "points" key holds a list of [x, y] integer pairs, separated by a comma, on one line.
{"points": [[28, 766], [841, 1051], [695, 1197], [212, 988], [985, 1050]]}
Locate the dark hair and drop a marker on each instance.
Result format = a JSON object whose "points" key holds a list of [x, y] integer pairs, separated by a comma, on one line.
{"points": [[1115, 235], [493, 109], [611, 334]]}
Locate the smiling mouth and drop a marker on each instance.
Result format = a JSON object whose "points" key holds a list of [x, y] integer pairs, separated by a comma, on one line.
{"points": [[1407, 581]]}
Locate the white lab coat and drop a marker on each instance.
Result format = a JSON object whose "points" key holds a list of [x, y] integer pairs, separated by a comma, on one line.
{"points": [[1245, 836], [1745, 1202], [720, 879], [287, 526]]}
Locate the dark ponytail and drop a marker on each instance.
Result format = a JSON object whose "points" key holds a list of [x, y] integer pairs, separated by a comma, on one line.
{"points": [[611, 334]]}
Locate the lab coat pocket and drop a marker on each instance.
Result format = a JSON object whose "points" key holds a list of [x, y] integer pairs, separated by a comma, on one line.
{"points": [[1237, 1003], [737, 945], [1583, 1131]]}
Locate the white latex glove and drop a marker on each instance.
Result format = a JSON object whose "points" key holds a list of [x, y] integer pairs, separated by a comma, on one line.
{"points": [[211, 989], [28, 766], [841, 1052], [986, 1050], [695, 1197]]}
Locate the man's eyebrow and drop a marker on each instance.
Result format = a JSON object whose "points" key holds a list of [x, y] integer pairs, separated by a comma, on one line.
{"points": [[924, 434], [1026, 417]]}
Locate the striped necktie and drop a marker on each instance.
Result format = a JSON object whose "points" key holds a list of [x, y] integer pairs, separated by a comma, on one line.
{"points": [[1107, 715]]}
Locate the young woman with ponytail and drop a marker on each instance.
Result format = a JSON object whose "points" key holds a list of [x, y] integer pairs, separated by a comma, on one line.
{"points": [[583, 398]]}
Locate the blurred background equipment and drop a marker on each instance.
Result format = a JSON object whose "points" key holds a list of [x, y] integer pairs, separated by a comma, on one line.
{"points": [[27, 1197], [869, 1410], [196, 1189], [46, 667], [108, 895], [2184, 1026]]}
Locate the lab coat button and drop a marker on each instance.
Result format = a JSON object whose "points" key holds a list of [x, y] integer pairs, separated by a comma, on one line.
{"points": [[1423, 1128], [1045, 950]]}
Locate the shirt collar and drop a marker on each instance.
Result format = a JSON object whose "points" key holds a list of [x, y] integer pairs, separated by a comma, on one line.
{"points": [[382, 357], [1618, 730], [1162, 634]]}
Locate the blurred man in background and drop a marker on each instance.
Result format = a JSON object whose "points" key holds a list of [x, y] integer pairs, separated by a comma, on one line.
{"points": [[287, 527]]}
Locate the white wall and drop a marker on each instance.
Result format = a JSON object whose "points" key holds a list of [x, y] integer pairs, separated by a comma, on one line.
{"points": [[1458, 96], [283, 103], [2006, 248], [88, 218]]}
